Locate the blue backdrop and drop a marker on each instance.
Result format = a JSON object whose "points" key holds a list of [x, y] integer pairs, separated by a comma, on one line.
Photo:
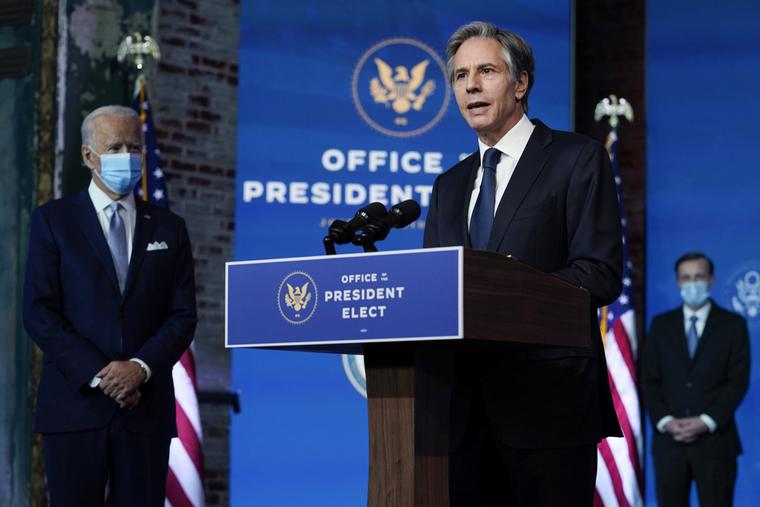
{"points": [[703, 77], [321, 134]]}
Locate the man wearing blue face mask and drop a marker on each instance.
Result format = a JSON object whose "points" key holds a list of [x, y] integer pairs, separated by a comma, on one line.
{"points": [[695, 372], [109, 297]]}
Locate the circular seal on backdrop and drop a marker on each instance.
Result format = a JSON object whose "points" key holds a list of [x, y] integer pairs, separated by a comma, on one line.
{"points": [[297, 297], [354, 367], [400, 87], [742, 291]]}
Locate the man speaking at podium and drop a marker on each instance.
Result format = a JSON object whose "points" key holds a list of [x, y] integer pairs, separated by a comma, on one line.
{"points": [[526, 421]]}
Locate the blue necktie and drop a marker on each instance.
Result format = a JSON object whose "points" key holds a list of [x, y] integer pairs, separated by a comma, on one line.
{"points": [[692, 337], [482, 215], [117, 243]]}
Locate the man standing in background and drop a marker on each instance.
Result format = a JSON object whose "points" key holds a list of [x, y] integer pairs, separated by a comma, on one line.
{"points": [[109, 297], [695, 372]]}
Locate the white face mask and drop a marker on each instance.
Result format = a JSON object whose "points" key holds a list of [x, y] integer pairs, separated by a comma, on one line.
{"points": [[119, 172], [695, 294]]}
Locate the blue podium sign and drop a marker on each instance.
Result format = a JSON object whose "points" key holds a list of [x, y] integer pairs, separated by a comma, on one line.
{"points": [[406, 295]]}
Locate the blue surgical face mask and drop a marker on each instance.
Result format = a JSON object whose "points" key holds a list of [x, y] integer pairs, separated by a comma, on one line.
{"points": [[695, 294], [120, 172]]}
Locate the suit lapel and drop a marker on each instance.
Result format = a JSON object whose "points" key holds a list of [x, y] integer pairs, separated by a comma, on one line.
{"points": [[87, 219], [679, 335], [707, 332], [527, 170], [463, 195], [145, 224]]}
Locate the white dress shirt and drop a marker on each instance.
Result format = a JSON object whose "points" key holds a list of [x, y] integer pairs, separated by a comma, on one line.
{"points": [[128, 213], [701, 315], [511, 147]]}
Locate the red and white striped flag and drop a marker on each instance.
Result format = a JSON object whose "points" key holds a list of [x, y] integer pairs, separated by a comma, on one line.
{"points": [[184, 482], [619, 477]]}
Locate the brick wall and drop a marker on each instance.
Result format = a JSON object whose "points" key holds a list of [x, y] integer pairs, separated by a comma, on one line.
{"points": [[194, 94], [610, 59]]}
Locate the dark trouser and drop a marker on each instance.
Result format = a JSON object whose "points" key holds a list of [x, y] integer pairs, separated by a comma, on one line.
{"points": [[715, 480], [484, 473], [79, 464]]}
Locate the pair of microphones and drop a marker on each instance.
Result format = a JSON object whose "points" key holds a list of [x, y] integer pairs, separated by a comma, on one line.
{"points": [[370, 224]]}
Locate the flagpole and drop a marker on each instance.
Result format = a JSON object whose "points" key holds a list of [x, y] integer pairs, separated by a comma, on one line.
{"points": [[143, 119], [612, 108], [619, 475], [137, 49]]}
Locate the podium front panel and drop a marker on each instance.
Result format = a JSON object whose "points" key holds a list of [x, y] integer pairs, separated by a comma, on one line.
{"points": [[407, 295]]}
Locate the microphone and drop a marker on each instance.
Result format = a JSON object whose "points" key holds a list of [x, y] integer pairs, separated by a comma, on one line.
{"points": [[341, 232], [400, 215]]}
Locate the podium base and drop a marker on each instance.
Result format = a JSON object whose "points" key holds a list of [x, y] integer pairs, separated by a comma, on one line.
{"points": [[409, 398]]}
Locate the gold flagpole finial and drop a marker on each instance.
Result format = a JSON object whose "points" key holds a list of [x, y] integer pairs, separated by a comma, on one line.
{"points": [[138, 47], [613, 108]]}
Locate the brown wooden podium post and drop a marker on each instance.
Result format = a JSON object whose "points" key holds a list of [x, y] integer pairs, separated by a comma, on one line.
{"points": [[409, 384]]}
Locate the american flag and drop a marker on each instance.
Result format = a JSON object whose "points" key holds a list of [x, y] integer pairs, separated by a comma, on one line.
{"points": [[184, 481], [619, 480]]}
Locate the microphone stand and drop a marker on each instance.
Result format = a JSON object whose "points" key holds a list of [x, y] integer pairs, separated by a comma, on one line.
{"points": [[329, 244], [368, 246], [371, 234]]}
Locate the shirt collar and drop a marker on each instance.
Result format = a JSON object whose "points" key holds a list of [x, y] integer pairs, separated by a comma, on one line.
{"points": [[513, 143], [101, 200], [701, 314]]}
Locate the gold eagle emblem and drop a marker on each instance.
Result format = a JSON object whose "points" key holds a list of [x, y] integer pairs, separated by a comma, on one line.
{"points": [[400, 90], [298, 297]]}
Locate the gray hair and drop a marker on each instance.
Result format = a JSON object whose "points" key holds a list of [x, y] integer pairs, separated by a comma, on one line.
{"points": [[515, 51], [113, 110]]}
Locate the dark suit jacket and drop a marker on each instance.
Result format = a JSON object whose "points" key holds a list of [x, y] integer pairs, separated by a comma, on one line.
{"points": [[713, 382], [559, 214], [74, 311]]}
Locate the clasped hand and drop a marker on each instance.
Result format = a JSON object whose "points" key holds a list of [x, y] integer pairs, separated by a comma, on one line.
{"points": [[686, 430], [121, 381]]}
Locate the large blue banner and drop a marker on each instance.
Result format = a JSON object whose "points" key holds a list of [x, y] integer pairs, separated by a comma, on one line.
{"points": [[342, 104], [703, 191]]}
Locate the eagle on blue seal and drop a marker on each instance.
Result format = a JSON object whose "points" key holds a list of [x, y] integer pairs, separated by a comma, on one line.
{"points": [[297, 297], [400, 88]]}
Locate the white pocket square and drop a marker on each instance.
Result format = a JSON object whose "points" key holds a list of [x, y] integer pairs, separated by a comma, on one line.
{"points": [[156, 245]]}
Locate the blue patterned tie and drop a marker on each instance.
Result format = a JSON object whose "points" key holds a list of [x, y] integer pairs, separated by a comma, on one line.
{"points": [[482, 215], [117, 243], [692, 337]]}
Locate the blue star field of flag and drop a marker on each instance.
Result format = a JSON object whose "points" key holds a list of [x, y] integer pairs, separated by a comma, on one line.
{"points": [[624, 302], [154, 175]]}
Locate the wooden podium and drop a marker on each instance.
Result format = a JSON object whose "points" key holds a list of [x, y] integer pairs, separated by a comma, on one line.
{"points": [[409, 385], [409, 380]]}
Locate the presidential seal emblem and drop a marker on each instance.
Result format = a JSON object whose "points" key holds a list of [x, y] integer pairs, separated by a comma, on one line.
{"points": [[400, 87], [745, 298], [297, 297], [354, 368]]}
